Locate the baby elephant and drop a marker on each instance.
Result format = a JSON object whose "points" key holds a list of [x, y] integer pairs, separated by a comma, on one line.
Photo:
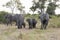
{"points": [[32, 23]]}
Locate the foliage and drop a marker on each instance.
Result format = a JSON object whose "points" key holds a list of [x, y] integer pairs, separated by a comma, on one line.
{"points": [[51, 8], [40, 4], [19, 5], [2, 13], [54, 22], [33, 8], [58, 15], [12, 4]]}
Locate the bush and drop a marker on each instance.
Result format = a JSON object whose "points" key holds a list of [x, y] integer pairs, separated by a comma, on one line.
{"points": [[2, 19]]}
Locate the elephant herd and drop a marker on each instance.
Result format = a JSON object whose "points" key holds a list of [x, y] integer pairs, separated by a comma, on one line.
{"points": [[19, 19]]}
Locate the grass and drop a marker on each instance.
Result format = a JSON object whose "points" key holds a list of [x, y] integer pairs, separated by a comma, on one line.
{"points": [[35, 34], [54, 22], [12, 33]]}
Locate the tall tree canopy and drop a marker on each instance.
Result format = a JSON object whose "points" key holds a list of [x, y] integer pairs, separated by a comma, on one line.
{"points": [[40, 4], [12, 4], [52, 7]]}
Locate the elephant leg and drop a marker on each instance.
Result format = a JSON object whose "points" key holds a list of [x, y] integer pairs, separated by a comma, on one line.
{"points": [[11, 23], [34, 26], [24, 25], [42, 26], [7, 22], [19, 26], [30, 26], [46, 25]]}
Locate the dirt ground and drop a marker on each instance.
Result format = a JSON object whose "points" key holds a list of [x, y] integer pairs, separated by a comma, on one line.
{"points": [[12, 33]]}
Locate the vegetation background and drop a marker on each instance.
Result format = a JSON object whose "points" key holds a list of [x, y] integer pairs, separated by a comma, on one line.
{"points": [[12, 33]]}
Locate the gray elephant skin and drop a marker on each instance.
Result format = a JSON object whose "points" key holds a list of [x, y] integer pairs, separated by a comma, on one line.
{"points": [[44, 18], [18, 18], [32, 23]]}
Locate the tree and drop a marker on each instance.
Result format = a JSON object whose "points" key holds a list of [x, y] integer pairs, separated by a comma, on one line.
{"points": [[2, 14], [51, 7], [33, 8], [40, 4], [19, 5], [12, 4]]}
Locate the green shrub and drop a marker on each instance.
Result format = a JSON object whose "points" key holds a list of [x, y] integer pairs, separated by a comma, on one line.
{"points": [[2, 19]]}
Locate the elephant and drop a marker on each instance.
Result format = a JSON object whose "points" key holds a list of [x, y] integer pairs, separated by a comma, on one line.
{"points": [[20, 20], [44, 18], [32, 23], [8, 18]]}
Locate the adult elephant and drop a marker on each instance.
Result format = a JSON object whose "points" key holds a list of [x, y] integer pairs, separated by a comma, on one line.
{"points": [[32, 23], [44, 18], [20, 20], [8, 18]]}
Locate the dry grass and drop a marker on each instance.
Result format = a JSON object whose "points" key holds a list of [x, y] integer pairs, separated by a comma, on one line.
{"points": [[12, 33]]}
